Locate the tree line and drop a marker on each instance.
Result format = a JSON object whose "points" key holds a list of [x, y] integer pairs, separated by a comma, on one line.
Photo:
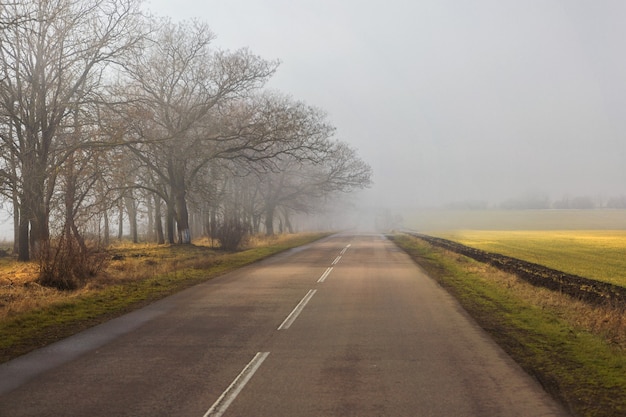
{"points": [[541, 201], [106, 111]]}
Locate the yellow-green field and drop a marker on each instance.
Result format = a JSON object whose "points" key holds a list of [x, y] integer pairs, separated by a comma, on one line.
{"points": [[597, 254]]}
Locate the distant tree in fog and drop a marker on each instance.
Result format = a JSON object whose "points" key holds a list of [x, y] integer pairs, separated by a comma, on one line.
{"points": [[301, 186], [577, 203], [618, 202], [529, 201]]}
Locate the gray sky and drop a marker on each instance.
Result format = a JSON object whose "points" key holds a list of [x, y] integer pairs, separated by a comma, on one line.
{"points": [[450, 100]]}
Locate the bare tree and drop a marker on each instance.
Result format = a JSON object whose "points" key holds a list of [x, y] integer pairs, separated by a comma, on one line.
{"points": [[52, 63], [178, 80], [301, 185], [184, 125]]}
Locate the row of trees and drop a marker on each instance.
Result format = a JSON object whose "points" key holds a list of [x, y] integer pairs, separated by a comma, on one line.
{"points": [[539, 201], [542, 202], [105, 111]]}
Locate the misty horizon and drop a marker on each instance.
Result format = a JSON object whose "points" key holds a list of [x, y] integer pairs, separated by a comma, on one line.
{"points": [[448, 101]]}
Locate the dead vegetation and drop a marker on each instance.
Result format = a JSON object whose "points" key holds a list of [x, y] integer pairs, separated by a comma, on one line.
{"points": [[21, 290], [605, 320], [585, 303]]}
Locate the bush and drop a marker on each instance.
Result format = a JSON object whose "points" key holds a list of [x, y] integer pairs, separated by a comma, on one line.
{"points": [[67, 265], [232, 234]]}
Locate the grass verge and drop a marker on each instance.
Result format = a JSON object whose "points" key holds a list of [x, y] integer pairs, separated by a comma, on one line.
{"points": [[23, 331], [578, 364]]}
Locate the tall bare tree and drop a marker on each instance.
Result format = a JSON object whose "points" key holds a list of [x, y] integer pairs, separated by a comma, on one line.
{"points": [[51, 63], [178, 80]]}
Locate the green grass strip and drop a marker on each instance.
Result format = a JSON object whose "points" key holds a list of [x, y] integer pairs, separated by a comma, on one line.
{"points": [[582, 370]]}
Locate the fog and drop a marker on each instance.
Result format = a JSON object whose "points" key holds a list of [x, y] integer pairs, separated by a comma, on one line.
{"points": [[450, 101]]}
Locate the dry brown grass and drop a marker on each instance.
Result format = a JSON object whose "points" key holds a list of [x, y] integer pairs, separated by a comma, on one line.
{"points": [[606, 321], [20, 292], [263, 240]]}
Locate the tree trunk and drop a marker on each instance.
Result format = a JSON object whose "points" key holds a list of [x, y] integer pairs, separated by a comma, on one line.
{"points": [[213, 223], [120, 224], [269, 220], [182, 222], [150, 211], [39, 232], [23, 253], [158, 221], [182, 214], [106, 228], [256, 223], [71, 230], [169, 223], [16, 225], [288, 224], [176, 172], [132, 217], [33, 211]]}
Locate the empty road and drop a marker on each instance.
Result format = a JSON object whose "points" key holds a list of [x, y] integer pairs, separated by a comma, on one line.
{"points": [[347, 326]]}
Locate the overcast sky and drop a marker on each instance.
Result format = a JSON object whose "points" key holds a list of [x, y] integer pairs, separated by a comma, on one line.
{"points": [[450, 100]]}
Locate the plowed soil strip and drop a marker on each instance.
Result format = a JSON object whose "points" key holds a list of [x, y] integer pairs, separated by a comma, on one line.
{"points": [[585, 289]]}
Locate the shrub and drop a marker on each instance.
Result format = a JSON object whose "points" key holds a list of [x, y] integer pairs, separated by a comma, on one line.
{"points": [[232, 234], [66, 264]]}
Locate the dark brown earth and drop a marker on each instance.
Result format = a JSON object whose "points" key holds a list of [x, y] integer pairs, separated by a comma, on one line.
{"points": [[581, 288]]}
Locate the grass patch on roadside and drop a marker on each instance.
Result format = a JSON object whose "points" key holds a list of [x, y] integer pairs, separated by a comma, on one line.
{"points": [[548, 334], [34, 316]]}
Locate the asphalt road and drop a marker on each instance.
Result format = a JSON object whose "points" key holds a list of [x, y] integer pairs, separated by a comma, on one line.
{"points": [[348, 326]]}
